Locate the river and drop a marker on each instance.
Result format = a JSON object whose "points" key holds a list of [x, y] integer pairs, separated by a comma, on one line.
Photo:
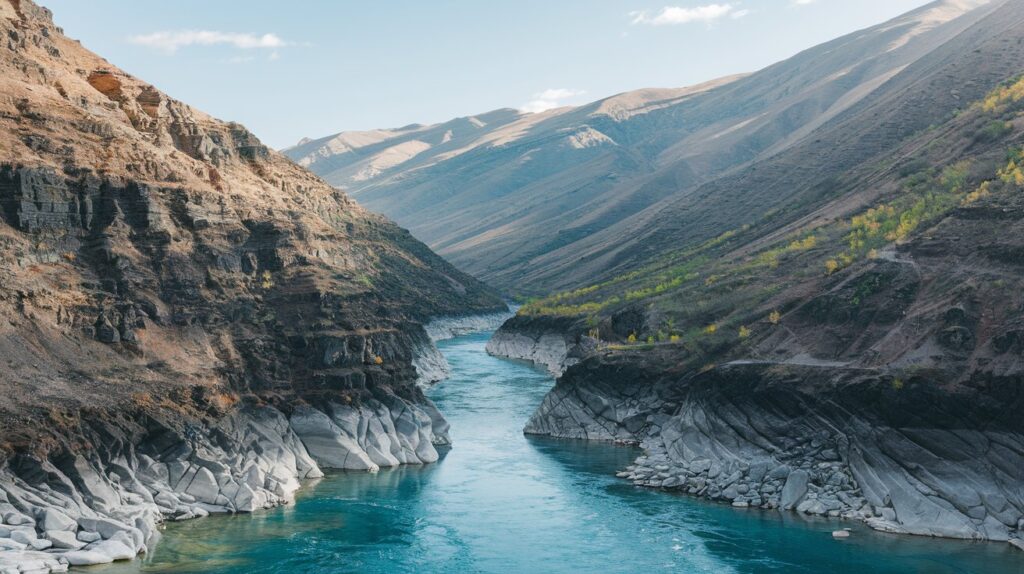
{"points": [[501, 502]]}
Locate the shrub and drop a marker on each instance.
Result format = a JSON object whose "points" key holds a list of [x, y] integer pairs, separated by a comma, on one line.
{"points": [[774, 317], [993, 131], [744, 332]]}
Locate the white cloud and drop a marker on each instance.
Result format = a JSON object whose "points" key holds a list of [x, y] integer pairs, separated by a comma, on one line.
{"points": [[549, 99], [171, 40], [678, 15], [802, 2]]}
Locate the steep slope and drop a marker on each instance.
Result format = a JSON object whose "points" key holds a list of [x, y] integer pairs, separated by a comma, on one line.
{"points": [[853, 353], [524, 209], [190, 321]]}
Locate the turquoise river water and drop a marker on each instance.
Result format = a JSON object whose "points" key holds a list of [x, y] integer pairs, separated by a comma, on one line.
{"points": [[501, 502]]}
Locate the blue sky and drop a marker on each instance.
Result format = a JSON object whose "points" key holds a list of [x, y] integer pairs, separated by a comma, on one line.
{"points": [[314, 67]]}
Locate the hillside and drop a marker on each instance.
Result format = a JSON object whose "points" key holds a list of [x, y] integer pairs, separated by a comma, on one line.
{"points": [[539, 202], [840, 333], [190, 321]]}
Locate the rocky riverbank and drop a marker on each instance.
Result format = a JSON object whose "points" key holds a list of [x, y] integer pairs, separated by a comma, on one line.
{"points": [[189, 322], [101, 494], [544, 342], [430, 364], [902, 456]]}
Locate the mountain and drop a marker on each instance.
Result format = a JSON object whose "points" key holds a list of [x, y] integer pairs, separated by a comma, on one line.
{"points": [[533, 203], [190, 321], [834, 329]]}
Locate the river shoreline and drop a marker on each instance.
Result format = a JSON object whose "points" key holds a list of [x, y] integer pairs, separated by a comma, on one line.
{"points": [[499, 501], [143, 472], [811, 443]]}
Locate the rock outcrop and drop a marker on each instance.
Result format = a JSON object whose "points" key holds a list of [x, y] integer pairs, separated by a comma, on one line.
{"points": [[853, 354], [104, 503], [443, 328], [431, 366], [546, 343], [903, 456], [189, 322]]}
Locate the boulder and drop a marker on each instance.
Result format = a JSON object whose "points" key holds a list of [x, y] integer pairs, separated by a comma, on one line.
{"points": [[62, 539], [795, 489], [8, 544], [106, 527], [23, 536], [114, 549], [89, 536], [52, 519], [87, 558], [204, 486]]}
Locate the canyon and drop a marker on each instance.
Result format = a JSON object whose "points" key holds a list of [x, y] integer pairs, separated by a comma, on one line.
{"points": [[795, 290]]}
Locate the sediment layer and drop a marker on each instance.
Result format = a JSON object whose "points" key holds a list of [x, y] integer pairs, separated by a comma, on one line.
{"points": [[904, 457]]}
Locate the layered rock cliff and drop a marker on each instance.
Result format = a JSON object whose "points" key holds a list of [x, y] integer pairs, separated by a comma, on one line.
{"points": [[903, 456], [547, 343], [856, 353], [189, 322]]}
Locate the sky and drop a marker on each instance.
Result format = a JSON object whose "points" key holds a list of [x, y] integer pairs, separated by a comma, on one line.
{"points": [[310, 68]]}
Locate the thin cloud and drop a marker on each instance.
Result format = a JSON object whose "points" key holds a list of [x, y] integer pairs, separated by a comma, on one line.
{"points": [[802, 2], [550, 99], [170, 41], [673, 15]]}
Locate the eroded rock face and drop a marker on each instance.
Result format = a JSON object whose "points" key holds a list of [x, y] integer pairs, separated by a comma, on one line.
{"points": [[172, 291], [104, 505], [546, 343], [824, 441], [443, 328]]}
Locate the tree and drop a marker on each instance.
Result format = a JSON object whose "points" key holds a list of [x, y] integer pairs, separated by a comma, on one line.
{"points": [[774, 317]]}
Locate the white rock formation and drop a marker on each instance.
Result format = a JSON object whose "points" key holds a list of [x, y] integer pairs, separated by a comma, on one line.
{"points": [[549, 350], [104, 505]]}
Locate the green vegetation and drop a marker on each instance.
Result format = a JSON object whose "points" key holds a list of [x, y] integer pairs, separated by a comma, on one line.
{"points": [[994, 131], [1009, 93], [926, 198], [710, 297], [364, 280]]}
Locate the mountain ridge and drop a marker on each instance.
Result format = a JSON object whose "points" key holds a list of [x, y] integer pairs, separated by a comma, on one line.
{"points": [[548, 204]]}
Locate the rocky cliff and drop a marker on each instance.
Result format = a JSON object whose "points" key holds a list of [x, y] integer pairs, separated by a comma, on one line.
{"points": [[546, 342], [189, 322], [905, 457], [857, 354]]}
